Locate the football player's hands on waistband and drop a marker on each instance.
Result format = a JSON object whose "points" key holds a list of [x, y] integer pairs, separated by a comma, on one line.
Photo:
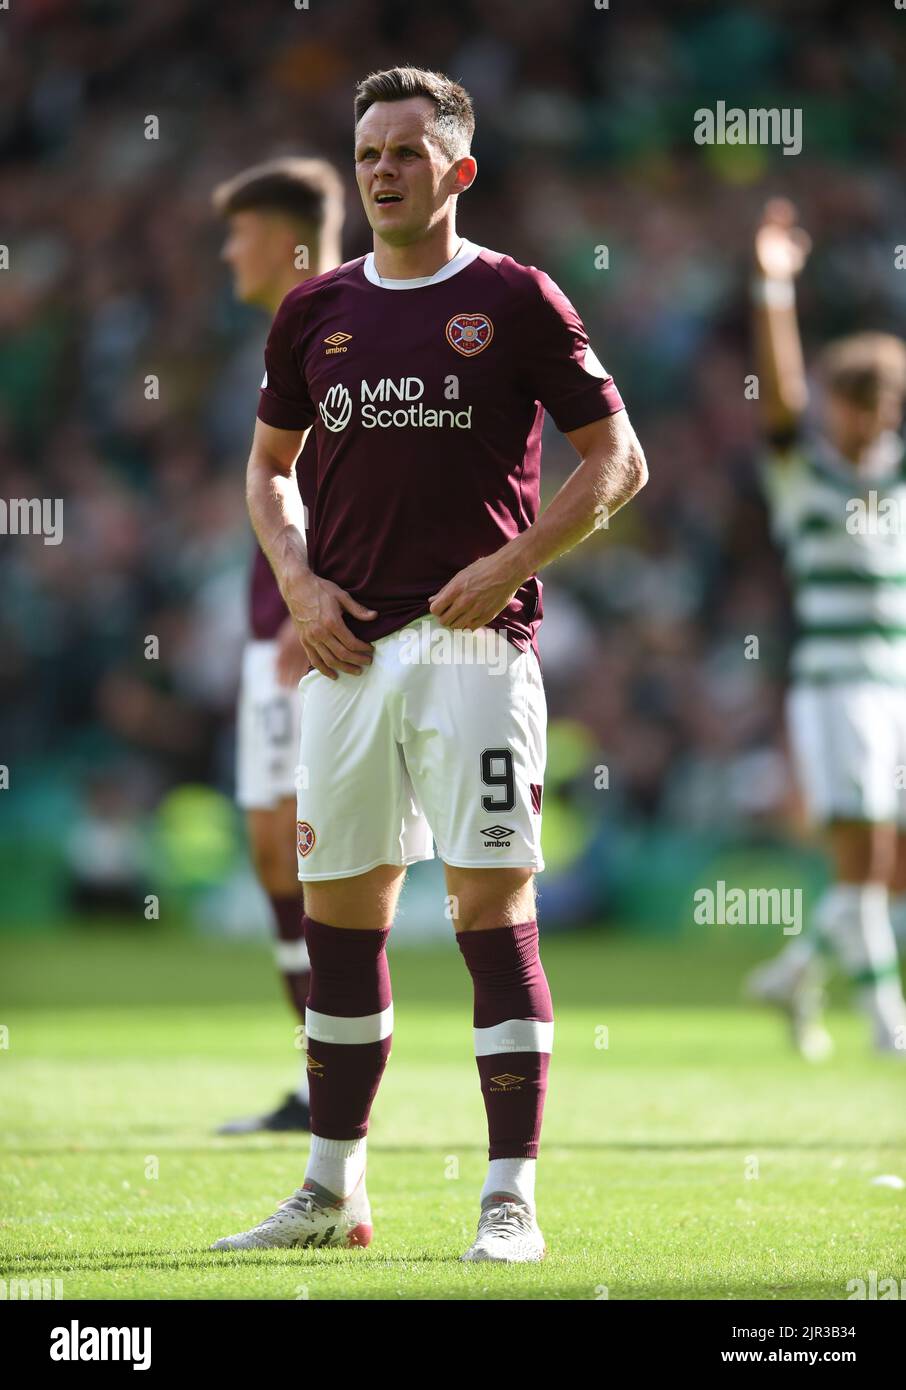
{"points": [[476, 594], [316, 607]]}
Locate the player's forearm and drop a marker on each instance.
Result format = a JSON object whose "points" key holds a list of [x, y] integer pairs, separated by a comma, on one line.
{"points": [[277, 516], [781, 369], [603, 483]]}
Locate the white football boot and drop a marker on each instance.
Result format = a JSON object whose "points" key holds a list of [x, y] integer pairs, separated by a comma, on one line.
{"points": [[310, 1216], [507, 1233], [800, 998]]}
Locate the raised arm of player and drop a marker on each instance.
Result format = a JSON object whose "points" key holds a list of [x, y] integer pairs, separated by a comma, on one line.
{"points": [[612, 471], [315, 605], [781, 250]]}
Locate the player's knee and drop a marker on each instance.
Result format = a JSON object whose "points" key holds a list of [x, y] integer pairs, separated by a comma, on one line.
{"points": [[276, 873], [898, 874], [482, 899], [863, 853], [366, 902], [273, 851]]}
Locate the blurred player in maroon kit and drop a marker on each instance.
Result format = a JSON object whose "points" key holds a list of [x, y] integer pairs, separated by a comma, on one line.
{"points": [[284, 222], [426, 368]]}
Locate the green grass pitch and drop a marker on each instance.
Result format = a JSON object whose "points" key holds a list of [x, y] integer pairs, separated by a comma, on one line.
{"points": [[693, 1156]]}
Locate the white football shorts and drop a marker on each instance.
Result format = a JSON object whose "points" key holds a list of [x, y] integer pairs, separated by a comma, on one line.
{"points": [[442, 736], [267, 730], [849, 748]]}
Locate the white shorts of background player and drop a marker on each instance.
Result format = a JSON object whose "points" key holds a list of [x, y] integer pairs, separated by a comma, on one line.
{"points": [[849, 749], [267, 731]]}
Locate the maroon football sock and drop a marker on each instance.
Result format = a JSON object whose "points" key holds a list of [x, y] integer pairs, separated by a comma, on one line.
{"points": [[513, 1033], [290, 950], [349, 1024]]}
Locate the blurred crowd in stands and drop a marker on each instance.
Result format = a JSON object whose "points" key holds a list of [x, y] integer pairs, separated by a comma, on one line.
{"points": [[585, 140]]}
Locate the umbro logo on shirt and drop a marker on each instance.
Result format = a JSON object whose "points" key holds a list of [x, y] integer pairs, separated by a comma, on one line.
{"points": [[335, 343]]}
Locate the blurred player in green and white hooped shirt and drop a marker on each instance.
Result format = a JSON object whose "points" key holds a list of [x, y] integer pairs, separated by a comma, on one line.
{"points": [[838, 505]]}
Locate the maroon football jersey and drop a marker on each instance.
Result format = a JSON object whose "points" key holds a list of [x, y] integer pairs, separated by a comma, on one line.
{"points": [[266, 607], [428, 398]]}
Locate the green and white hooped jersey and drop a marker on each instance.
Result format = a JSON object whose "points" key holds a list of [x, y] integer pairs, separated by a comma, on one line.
{"points": [[844, 536]]}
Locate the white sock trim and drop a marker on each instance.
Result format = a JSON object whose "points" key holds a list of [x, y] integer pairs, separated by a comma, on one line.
{"points": [[367, 1028], [855, 919], [291, 956], [515, 1035]]}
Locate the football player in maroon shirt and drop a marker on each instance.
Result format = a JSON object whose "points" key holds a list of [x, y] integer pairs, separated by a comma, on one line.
{"points": [[425, 369], [284, 219]]}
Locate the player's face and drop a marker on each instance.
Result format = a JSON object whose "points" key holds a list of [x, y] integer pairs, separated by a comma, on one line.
{"points": [[404, 177], [259, 249], [853, 427]]}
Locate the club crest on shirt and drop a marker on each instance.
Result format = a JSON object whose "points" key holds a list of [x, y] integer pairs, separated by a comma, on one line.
{"points": [[305, 837], [469, 333]]}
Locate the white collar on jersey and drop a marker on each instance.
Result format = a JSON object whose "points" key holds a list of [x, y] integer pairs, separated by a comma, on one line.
{"points": [[467, 253], [881, 462]]}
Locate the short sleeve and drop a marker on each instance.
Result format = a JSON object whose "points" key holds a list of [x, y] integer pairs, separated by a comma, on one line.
{"points": [[783, 476], [284, 401], [562, 368]]}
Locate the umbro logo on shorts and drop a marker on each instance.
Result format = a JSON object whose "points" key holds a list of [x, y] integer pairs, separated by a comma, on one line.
{"points": [[497, 835]]}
